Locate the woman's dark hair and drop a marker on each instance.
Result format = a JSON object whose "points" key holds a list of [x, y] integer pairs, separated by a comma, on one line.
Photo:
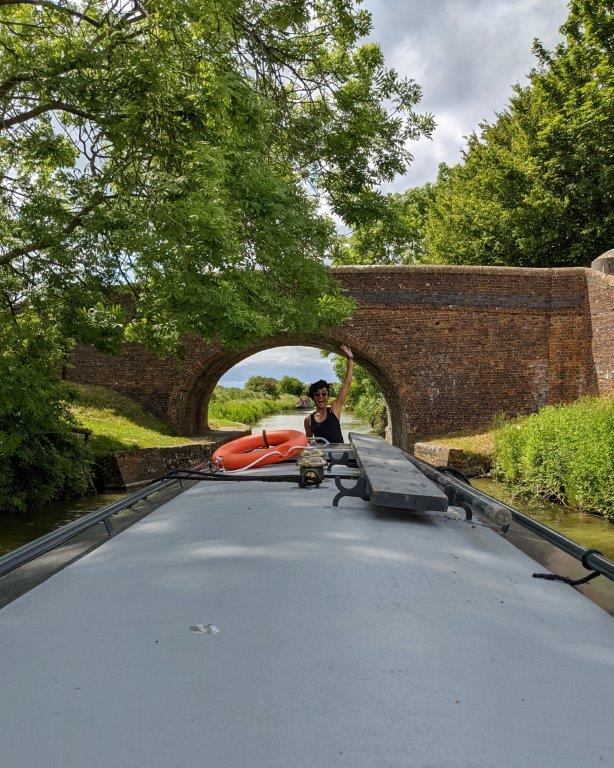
{"points": [[321, 384]]}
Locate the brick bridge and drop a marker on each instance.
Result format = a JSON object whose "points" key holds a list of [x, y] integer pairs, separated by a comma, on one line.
{"points": [[450, 347]]}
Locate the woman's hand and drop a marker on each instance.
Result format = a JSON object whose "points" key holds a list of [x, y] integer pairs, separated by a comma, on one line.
{"points": [[347, 352]]}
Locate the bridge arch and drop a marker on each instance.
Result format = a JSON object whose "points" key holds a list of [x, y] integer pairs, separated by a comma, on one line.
{"points": [[189, 401], [450, 348]]}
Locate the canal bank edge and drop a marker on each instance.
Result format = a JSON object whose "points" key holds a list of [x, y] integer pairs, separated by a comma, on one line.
{"points": [[125, 469], [470, 464]]}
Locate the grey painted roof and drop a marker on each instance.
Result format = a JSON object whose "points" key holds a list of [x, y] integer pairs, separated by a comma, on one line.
{"points": [[347, 637]]}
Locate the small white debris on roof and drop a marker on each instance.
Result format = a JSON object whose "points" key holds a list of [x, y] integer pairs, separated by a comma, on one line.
{"points": [[206, 629]]}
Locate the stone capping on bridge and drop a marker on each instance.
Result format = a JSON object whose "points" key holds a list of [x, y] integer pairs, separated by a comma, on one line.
{"points": [[604, 263]]}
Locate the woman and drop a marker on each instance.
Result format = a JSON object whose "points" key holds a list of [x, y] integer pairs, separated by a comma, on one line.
{"points": [[324, 421]]}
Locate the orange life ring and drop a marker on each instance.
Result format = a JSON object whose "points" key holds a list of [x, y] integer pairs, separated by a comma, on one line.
{"points": [[260, 450]]}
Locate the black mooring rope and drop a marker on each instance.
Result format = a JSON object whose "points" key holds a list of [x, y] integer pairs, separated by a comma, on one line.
{"points": [[573, 582], [186, 474]]}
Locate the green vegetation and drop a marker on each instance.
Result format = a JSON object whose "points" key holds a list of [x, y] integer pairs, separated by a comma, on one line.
{"points": [[263, 385], [40, 458], [397, 237], [117, 423], [247, 409], [290, 385], [536, 186], [563, 452], [180, 151], [478, 447], [364, 398], [161, 172]]}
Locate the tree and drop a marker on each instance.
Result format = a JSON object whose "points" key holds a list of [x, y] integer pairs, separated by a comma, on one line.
{"points": [[536, 187], [180, 149], [40, 457], [263, 385], [162, 164], [396, 237], [292, 386]]}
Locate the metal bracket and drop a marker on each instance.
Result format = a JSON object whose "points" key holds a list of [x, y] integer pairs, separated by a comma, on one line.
{"points": [[109, 526], [359, 490], [345, 460]]}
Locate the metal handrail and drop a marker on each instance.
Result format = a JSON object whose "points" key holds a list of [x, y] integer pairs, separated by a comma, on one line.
{"points": [[483, 504], [469, 498], [49, 541]]}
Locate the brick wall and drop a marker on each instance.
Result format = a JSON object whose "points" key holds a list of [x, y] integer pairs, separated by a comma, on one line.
{"points": [[449, 346]]}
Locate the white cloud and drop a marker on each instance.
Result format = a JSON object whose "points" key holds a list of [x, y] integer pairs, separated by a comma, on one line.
{"points": [[466, 55], [303, 362], [282, 356]]}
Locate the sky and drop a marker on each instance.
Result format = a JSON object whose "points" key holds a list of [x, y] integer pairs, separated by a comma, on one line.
{"points": [[466, 55]]}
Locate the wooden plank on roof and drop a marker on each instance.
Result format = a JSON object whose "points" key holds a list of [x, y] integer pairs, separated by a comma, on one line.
{"points": [[392, 480]]}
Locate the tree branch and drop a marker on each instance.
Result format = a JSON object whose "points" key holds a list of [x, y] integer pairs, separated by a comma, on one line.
{"points": [[54, 7], [46, 242], [41, 109]]}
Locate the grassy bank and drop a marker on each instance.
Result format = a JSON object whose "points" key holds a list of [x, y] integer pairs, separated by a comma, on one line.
{"points": [[247, 409], [117, 423], [563, 452]]}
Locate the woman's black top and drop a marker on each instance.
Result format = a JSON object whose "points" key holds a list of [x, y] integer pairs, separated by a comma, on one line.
{"points": [[329, 428]]}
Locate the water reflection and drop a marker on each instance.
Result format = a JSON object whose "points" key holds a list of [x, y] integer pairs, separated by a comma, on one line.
{"points": [[18, 529], [590, 531]]}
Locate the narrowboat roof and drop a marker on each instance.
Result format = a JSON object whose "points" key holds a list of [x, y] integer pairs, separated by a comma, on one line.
{"points": [[346, 636]]}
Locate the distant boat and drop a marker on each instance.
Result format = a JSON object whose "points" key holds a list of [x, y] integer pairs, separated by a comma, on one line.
{"points": [[303, 404]]}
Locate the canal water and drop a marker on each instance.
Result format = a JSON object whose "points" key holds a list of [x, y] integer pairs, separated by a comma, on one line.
{"points": [[588, 530], [591, 531], [18, 529], [295, 419]]}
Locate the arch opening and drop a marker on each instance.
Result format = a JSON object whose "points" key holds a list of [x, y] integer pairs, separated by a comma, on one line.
{"points": [[194, 400]]}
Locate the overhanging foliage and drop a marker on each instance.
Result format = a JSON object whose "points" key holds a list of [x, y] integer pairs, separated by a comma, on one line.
{"points": [[181, 149]]}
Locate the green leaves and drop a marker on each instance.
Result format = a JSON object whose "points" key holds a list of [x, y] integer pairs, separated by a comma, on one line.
{"points": [[40, 458], [182, 151], [536, 188], [397, 236], [564, 452]]}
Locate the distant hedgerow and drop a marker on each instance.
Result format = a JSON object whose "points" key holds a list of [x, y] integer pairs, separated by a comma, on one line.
{"points": [[248, 411]]}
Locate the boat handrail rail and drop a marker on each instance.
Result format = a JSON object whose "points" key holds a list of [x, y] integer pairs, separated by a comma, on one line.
{"points": [[470, 499], [473, 500], [56, 538]]}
